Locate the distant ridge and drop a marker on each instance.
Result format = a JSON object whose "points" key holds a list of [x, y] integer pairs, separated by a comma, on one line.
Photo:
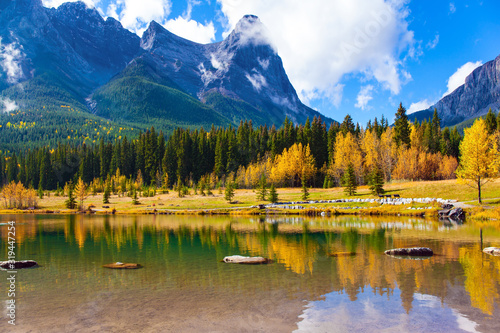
{"points": [[479, 93]]}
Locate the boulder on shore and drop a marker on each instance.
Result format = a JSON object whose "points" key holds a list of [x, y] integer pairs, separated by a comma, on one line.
{"points": [[495, 251], [412, 251], [122, 265], [455, 214], [18, 264], [246, 260]]}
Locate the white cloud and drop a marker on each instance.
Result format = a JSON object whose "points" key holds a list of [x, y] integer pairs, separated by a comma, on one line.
{"points": [[432, 44], [321, 41], [364, 96], [11, 56], [257, 80], [57, 3], [419, 106], [458, 78], [250, 30], [453, 9], [8, 105], [135, 15], [189, 10], [191, 30]]}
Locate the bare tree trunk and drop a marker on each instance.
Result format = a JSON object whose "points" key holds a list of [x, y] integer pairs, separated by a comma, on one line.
{"points": [[479, 189]]}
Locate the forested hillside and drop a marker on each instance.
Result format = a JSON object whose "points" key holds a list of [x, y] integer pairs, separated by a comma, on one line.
{"points": [[283, 155]]}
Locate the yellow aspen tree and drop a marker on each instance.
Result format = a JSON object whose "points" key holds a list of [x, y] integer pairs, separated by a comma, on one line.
{"points": [[447, 167], [479, 161], [291, 164], [417, 137], [370, 145], [347, 151], [388, 152], [81, 192]]}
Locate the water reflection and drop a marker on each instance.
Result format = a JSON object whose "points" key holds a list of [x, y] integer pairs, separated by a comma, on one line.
{"points": [[183, 254]]}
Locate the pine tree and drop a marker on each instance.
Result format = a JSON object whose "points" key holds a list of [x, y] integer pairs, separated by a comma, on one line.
{"points": [[347, 125], [491, 122], [376, 181], [349, 181], [229, 192], [40, 191], [262, 189], [106, 194], [71, 202], [273, 194], [305, 191], [401, 127], [135, 201]]}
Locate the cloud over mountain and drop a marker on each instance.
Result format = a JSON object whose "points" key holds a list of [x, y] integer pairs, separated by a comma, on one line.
{"points": [[321, 41]]}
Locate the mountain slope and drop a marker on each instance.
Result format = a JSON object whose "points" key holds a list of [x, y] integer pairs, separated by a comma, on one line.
{"points": [[480, 92], [71, 56], [244, 68]]}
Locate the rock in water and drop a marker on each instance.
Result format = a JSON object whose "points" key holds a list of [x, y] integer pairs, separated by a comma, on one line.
{"points": [[246, 260], [18, 264], [492, 250], [122, 265], [412, 251]]}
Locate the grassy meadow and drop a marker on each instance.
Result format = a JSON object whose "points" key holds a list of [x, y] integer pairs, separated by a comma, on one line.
{"points": [[245, 198]]}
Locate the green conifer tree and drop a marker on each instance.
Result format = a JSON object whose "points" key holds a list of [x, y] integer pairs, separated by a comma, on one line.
{"points": [[106, 194], [349, 181], [71, 201], [273, 194], [135, 200], [305, 191], [491, 122], [262, 189], [376, 181], [229, 192], [401, 127]]}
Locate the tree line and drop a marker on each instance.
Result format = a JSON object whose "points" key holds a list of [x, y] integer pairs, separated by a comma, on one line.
{"points": [[319, 153]]}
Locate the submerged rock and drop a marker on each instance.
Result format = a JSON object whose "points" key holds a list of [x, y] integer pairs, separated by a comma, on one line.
{"points": [[492, 250], [246, 260], [122, 265], [412, 251], [18, 264]]}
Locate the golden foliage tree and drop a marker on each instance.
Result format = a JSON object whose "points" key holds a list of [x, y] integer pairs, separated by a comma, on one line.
{"points": [[347, 151], [15, 195], [370, 145], [81, 192], [292, 164], [387, 153], [479, 161]]}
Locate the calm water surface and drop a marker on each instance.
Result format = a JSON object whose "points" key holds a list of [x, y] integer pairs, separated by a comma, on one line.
{"points": [[184, 287]]}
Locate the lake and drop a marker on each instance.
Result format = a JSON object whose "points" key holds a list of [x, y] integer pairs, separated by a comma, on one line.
{"points": [[184, 286]]}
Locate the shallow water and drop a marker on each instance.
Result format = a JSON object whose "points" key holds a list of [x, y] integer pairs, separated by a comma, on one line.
{"points": [[184, 287]]}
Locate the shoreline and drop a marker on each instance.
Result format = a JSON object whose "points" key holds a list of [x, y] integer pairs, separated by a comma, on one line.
{"points": [[413, 198]]}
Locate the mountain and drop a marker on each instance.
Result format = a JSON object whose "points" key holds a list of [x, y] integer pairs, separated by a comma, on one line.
{"points": [[479, 93], [71, 56]]}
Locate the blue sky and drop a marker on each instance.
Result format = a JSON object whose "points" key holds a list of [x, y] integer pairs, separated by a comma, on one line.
{"points": [[357, 57]]}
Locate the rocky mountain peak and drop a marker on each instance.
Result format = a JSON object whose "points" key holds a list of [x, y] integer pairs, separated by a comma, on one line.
{"points": [[78, 13], [157, 36], [479, 93], [249, 31]]}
